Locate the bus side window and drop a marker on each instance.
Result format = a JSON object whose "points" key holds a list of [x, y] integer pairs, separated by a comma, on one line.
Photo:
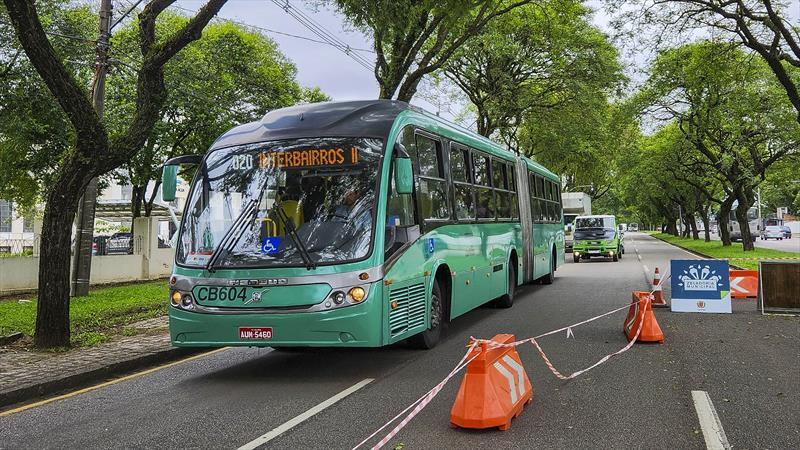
{"points": [[431, 185], [460, 173], [534, 201], [485, 196], [512, 186], [540, 201], [400, 207], [560, 211]]}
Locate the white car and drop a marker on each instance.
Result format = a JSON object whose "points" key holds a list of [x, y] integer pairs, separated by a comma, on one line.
{"points": [[772, 232]]}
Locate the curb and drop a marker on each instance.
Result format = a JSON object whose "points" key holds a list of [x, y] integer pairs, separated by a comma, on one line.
{"points": [[696, 253], [84, 379]]}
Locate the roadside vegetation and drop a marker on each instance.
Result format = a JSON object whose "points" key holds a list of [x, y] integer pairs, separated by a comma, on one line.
{"points": [[713, 123], [96, 317], [715, 249]]}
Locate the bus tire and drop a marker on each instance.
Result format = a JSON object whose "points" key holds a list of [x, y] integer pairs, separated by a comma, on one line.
{"points": [[507, 299], [430, 337], [615, 257], [548, 279], [576, 258]]}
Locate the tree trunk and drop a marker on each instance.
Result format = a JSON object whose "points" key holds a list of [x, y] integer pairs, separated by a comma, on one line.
{"points": [[724, 221], [137, 198], [744, 225], [706, 224], [695, 233], [671, 228], [52, 308]]}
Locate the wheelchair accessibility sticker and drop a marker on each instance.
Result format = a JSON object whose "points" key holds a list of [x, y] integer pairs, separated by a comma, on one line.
{"points": [[270, 245]]}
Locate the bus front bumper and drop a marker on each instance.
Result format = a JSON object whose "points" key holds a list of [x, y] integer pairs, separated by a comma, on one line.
{"points": [[587, 251], [352, 326]]}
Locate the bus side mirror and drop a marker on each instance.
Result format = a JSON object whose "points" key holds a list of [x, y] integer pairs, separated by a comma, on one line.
{"points": [[169, 183], [403, 176], [169, 174]]}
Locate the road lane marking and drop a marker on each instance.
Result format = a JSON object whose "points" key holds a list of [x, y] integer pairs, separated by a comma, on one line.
{"points": [[646, 269], [713, 433], [106, 384], [286, 426]]}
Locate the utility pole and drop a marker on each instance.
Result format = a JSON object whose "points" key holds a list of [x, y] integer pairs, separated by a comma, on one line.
{"points": [[84, 219]]}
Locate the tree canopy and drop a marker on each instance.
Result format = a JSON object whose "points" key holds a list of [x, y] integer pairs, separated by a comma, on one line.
{"points": [[413, 39]]}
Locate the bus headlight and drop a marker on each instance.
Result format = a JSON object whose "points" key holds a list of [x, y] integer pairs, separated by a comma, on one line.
{"points": [[357, 294], [186, 301], [337, 297], [175, 299]]}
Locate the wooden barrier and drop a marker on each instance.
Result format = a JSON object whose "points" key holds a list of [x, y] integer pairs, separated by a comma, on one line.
{"points": [[779, 287]]}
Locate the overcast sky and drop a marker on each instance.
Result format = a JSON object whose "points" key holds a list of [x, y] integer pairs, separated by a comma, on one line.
{"points": [[329, 68]]}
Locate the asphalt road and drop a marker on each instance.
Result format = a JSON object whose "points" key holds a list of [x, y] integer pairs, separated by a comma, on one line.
{"points": [[747, 363]]}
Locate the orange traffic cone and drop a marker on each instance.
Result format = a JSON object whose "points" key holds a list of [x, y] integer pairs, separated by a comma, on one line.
{"points": [[658, 298], [495, 388], [640, 305]]}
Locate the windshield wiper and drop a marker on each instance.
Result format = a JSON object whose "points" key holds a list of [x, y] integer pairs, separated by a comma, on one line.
{"points": [[227, 242], [288, 225]]}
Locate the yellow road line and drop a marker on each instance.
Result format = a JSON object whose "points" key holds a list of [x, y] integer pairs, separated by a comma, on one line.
{"points": [[107, 383]]}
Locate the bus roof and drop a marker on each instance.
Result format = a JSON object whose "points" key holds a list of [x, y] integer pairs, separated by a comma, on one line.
{"points": [[364, 118]]}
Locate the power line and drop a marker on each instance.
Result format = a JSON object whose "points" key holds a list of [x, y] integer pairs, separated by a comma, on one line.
{"points": [[322, 32], [271, 31], [65, 36], [126, 61], [116, 22]]}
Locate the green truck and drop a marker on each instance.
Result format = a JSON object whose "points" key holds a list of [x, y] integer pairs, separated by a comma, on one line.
{"points": [[597, 236]]}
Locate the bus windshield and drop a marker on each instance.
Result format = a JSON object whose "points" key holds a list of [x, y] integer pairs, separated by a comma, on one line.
{"points": [[250, 206], [595, 222]]}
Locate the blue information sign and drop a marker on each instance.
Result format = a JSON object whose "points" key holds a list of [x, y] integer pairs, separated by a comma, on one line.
{"points": [[700, 285]]}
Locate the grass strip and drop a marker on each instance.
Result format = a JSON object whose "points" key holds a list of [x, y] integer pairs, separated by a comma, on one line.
{"points": [[715, 249], [94, 317]]}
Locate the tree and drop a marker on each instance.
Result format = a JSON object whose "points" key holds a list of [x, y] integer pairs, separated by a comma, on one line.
{"points": [[415, 38], [760, 25], [35, 133], [229, 77], [729, 107], [95, 151], [536, 57]]}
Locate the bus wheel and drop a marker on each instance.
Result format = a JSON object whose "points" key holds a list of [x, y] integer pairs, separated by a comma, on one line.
{"points": [[430, 337], [507, 300], [576, 258], [548, 279], [616, 257]]}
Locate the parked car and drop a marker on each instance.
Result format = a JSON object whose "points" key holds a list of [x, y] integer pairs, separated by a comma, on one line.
{"points": [[119, 244], [787, 232], [773, 232], [99, 245]]}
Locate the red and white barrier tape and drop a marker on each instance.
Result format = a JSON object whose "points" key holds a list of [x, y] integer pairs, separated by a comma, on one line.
{"points": [[423, 401], [420, 402], [601, 361]]}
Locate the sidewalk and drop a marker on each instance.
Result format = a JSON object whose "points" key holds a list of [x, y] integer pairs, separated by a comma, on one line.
{"points": [[26, 374]]}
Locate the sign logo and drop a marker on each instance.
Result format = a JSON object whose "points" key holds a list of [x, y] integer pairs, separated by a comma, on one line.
{"points": [[430, 247], [699, 278], [700, 286], [255, 298], [270, 245]]}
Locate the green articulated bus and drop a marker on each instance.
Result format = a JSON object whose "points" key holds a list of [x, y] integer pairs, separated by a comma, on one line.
{"points": [[354, 224]]}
